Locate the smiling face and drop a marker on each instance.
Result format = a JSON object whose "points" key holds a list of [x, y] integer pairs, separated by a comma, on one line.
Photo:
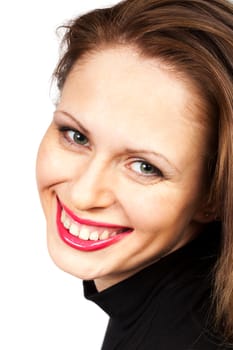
{"points": [[121, 168]]}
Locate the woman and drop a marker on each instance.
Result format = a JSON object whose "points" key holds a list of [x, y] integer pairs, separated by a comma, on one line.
{"points": [[135, 171]]}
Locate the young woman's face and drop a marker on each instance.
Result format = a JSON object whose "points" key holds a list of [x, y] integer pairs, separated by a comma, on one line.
{"points": [[121, 168]]}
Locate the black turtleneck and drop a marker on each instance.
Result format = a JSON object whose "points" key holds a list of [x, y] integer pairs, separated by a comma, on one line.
{"points": [[165, 306]]}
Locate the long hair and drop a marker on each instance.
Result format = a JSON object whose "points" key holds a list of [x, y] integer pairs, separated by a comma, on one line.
{"points": [[196, 38]]}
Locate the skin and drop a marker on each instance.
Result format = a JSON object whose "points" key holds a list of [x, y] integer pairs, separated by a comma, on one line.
{"points": [[129, 107]]}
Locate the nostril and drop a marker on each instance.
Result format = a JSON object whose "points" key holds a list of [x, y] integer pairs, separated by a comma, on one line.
{"points": [[86, 195]]}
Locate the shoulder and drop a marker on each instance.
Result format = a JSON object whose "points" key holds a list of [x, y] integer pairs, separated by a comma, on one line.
{"points": [[187, 332]]}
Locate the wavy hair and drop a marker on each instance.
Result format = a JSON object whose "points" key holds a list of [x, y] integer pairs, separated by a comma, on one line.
{"points": [[195, 37]]}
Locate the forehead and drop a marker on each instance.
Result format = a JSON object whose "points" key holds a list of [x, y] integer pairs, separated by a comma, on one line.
{"points": [[142, 96], [124, 71]]}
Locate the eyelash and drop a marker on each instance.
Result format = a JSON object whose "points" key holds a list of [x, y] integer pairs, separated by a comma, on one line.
{"points": [[156, 172], [64, 130]]}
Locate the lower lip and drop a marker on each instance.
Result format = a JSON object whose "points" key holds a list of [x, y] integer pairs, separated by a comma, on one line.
{"points": [[84, 245]]}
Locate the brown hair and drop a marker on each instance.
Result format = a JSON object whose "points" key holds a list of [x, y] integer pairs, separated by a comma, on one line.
{"points": [[196, 38]]}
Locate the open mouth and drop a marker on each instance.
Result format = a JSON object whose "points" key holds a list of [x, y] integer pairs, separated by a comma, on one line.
{"points": [[85, 234]]}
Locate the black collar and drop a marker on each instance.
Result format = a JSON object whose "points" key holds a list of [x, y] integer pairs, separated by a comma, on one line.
{"points": [[126, 300]]}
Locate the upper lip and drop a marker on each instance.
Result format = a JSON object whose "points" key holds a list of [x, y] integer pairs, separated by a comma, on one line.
{"points": [[88, 221]]}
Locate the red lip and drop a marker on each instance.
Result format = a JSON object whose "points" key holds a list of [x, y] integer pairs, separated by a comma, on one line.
{"points": [[89, 222], [85, 245]]}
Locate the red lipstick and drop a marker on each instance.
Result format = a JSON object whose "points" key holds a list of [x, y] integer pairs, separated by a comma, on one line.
{"points": [[86, 245], [88, 222]]}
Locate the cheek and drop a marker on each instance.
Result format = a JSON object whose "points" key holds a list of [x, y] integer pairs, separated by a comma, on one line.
{"points": [[51, 167], [160, 208]]}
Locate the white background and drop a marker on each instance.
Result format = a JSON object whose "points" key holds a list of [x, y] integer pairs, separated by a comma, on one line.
{"points": [[41, 307]]}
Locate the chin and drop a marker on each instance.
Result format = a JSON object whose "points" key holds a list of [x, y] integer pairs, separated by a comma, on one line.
{"points": [[77, 264]]}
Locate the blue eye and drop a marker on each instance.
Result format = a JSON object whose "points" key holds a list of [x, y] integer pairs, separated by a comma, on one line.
{"points": [[145, 168]]}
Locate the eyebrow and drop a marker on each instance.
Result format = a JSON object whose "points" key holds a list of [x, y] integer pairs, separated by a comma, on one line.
{"points": [[80, 126], [128, 150]]}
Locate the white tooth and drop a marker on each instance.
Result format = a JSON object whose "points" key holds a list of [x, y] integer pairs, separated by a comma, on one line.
{"points": [[84, 233], [113, 234], [74, 230], [63, 216], [104, 235], [67, 223], [94, 236]]}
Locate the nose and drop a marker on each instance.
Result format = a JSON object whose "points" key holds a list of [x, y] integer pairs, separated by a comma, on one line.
{"points": [[92, 188]]}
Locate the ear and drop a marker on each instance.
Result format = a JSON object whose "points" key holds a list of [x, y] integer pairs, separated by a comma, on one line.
{"points": [[207, 213], [205, 217]]}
